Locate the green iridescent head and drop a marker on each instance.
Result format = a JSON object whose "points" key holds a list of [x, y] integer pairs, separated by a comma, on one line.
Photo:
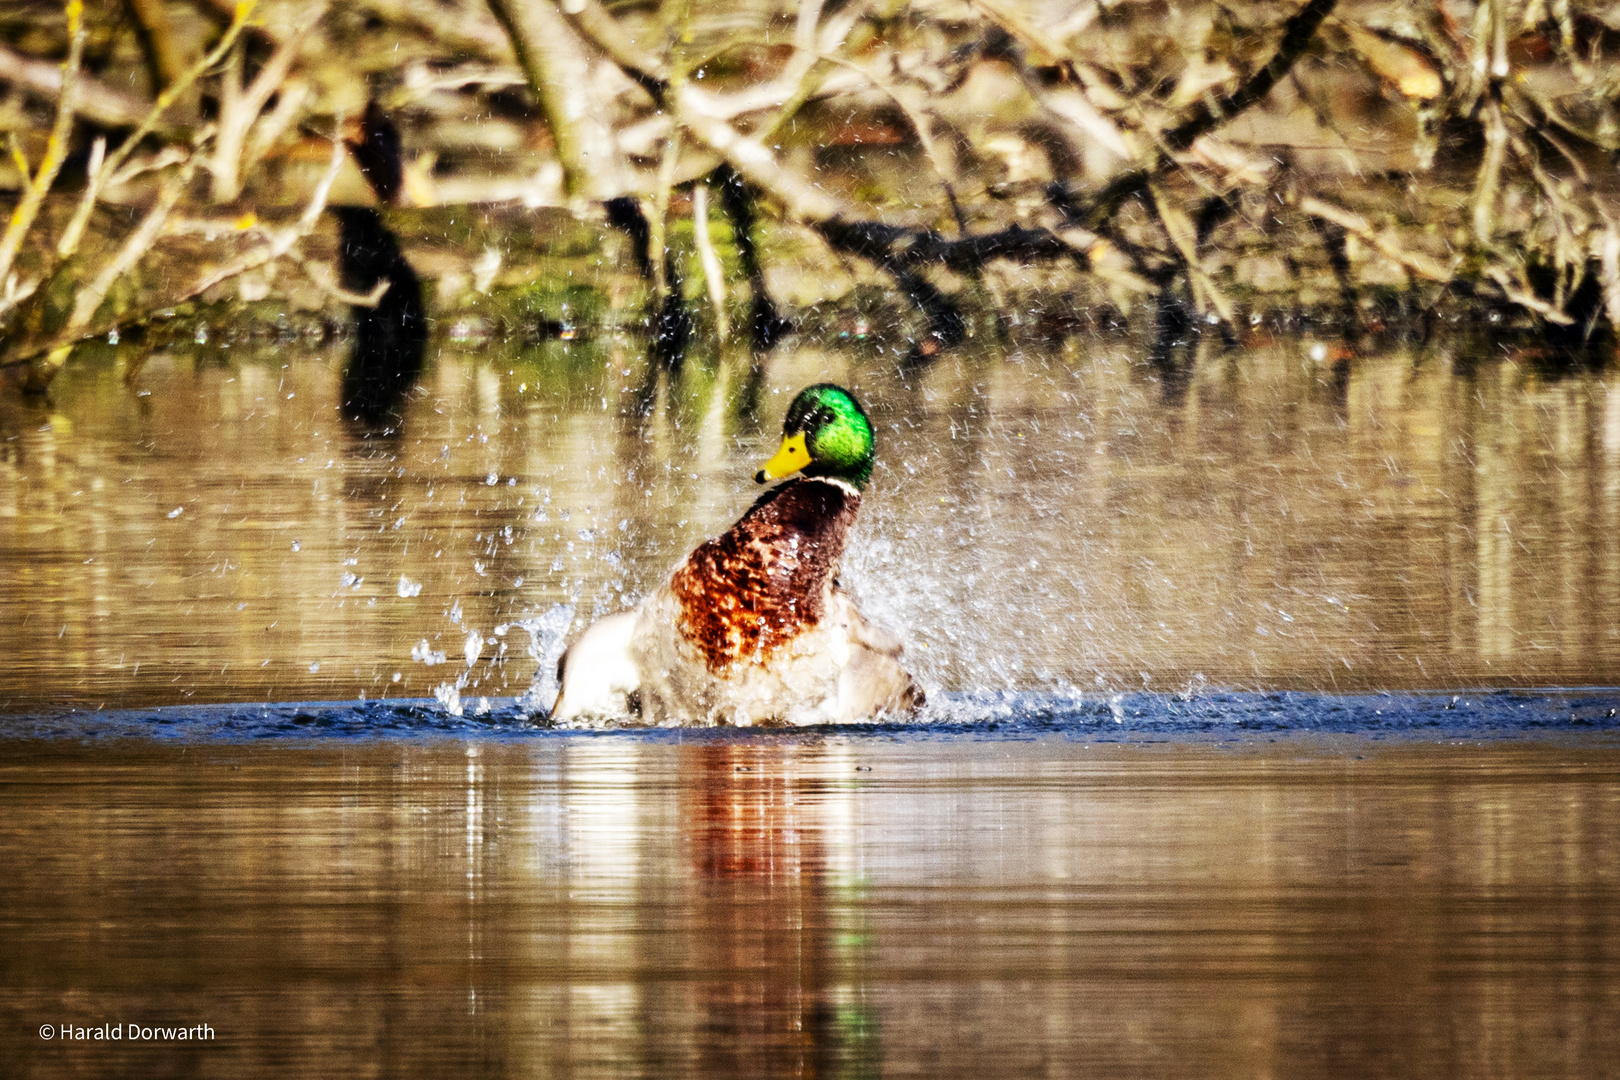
{"points": [[826, 433]]}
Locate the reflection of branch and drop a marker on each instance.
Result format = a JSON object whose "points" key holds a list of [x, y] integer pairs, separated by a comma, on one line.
{"points": [[1298, 32], [713, 277], [36, 187]]}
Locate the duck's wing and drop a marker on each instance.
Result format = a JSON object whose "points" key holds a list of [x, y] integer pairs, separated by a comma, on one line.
{"points": [[598, 676], [873, 680]]}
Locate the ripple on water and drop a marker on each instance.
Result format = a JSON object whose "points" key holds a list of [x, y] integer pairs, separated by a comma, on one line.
{"points": [[1215, 716]]}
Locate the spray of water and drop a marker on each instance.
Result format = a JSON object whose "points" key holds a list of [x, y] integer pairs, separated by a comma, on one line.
{"points": [[548, 635]]}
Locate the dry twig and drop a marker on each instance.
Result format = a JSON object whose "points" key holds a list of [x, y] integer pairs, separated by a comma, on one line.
{"points": [[37, 186]]}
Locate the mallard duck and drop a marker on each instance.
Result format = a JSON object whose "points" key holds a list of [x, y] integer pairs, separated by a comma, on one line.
{"points": [[752, 627]]}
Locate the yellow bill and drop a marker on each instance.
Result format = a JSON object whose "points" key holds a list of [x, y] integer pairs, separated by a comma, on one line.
{"points": [[793, 456]]}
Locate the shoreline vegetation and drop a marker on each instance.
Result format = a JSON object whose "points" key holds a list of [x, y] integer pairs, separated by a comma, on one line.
{"points": [[931, 169]]}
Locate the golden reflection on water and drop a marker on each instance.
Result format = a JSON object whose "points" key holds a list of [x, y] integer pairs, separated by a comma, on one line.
{"points": [[589, 907], [1038, 519]]}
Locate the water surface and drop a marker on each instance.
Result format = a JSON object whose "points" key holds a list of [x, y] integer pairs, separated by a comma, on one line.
{"points": [[1245, 756], [1040, 520], [710, 904]]}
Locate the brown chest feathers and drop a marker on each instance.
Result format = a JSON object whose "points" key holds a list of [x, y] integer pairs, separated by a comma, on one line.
{"points": [[745, 594]]}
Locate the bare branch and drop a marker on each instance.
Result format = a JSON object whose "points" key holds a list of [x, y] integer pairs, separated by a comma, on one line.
{"points": [[240, 107], [1297, 35], [747, 155], [321, 276], [108, 172], [557, 66], [1519, 294], [97, 101], [171, 93], [138, 243], [1420, 264], [281, 242], [713, 277], [69, 242], [22, 218], [156, 35], [1489, 180]]}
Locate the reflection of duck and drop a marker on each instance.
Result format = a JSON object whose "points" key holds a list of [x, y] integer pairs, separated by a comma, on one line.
{"points": [[752, 627], [390, 338]]}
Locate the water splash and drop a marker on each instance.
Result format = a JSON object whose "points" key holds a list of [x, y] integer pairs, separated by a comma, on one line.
{"points": [[548, 634], [449, 695], [423, 652]]}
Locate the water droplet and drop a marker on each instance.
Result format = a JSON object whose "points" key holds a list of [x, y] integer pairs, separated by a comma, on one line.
{"points": [[176, 512], [492, 479]]}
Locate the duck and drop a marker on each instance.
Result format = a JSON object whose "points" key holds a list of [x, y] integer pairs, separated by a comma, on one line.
{"points": [[753, 628]]}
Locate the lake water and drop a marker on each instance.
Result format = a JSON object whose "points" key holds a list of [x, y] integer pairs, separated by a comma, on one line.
{"points": [[1241, 758], [1048, 520], [707, 904]]}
